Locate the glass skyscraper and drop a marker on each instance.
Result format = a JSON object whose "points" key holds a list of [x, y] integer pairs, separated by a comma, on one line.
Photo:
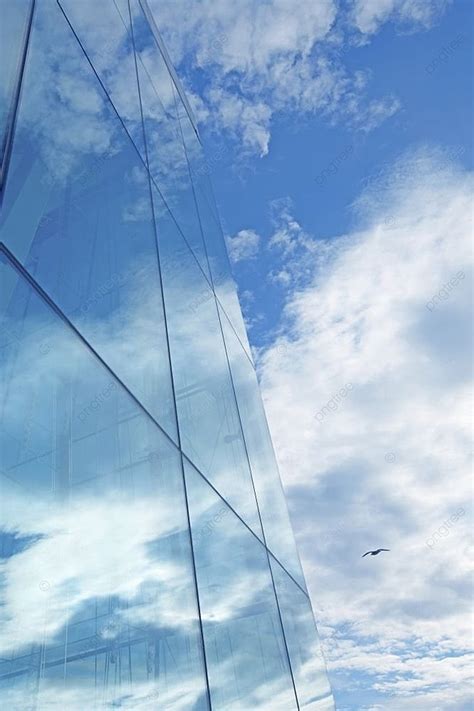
{"points": [[146, 556]]}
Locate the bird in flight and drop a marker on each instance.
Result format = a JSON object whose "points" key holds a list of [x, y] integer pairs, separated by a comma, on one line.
{"points": [[379, 550]]}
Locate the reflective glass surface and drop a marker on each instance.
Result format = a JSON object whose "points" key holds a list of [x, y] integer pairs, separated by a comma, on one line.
{"points": [[307, 662], [271, 499], [165, 152], [98, 598], [13, 34], [136, 466], [103, 29], [209, 424], [222, 279], [246, 653], [77, 211]]}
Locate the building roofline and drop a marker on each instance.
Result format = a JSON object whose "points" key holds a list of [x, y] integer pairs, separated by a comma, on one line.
{"points": [[164, 52]]}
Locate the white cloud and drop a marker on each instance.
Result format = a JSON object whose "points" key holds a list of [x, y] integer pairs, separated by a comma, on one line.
{"points": [[288, 232], [84, 552], [179, 694], [287, 65], [245, 77], [243, 37], [296, 251], [244, 245], [387, 463], [58, 82], [247, 120], [370, 14]]}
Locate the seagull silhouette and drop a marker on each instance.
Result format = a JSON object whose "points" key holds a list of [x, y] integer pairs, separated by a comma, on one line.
{"points": [[379, 550]]}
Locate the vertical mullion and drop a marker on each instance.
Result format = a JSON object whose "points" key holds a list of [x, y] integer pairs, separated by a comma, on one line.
{"points": [[259, 515], [240, 419], [188, 517], [7, 141]]}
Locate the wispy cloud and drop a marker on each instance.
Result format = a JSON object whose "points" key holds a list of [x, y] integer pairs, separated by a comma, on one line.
{"points": [[295, 252], [293, 64], [244, 245], [369, 15]]}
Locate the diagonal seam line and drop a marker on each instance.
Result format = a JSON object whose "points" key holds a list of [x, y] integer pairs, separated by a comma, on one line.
{"points": [[169, 64], [277, 601], [58, 311], [145, 166], [216, 491], [45, 296], [165, 203], [170, 361], [13, 111]]}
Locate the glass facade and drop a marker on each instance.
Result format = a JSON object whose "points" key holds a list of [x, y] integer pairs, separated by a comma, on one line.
{"points": [[147, 559]]}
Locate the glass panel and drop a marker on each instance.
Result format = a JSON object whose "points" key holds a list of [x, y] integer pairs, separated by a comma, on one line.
{"points": [[222, 278], [77, 211], [307, 662], [103, 28], [270, 496], [209, 424], [224, 284], [13, 32], [245, 651], [167, 159], [199, 162], [98, 605]]}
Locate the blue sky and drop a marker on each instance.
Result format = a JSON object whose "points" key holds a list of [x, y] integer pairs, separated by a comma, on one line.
{"points": [[434, 109], [339, 138]]}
